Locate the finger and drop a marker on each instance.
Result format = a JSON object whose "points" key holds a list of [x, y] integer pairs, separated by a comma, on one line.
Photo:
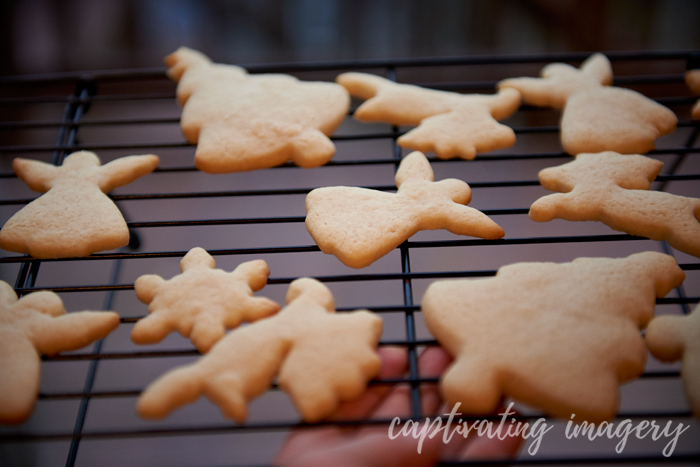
{"points": [[454, 443], [378, 450], [485, 448], [302, 441], [394, 363], [373, 446], [432, 362], [476, 447], [458, 442]]}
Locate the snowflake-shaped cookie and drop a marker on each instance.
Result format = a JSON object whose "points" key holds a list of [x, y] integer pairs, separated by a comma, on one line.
{"points": [[202, 302]]}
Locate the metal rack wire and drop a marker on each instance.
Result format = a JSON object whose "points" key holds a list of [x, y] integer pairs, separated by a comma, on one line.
{"points": [[148, 86]]}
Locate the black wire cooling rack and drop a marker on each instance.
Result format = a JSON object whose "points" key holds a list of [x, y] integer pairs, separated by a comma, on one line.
{"points": [[116, 113]]}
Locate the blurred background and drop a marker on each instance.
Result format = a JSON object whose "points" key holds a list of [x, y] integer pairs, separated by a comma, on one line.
{"points": [[59, 35]]}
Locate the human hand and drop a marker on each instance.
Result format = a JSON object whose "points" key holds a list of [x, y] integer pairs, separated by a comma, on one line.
{"points": [[370, 445]]}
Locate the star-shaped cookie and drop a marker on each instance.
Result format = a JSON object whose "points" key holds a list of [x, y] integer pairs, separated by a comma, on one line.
{"points": [[202, 302]]}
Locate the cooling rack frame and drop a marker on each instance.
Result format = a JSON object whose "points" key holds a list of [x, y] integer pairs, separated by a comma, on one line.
{"points": [[86, 92]]}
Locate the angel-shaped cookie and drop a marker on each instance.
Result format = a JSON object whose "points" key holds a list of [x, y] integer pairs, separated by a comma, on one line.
{"points": [[559, 337], [74, 217], [202, 302], [321, 359], [359, 225], [38, 324], [671, 338], [597, 117], [613, 189], [692, 79], [449, 124], [245, 122]]}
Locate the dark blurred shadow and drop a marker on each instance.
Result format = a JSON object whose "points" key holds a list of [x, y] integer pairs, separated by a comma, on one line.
{"points": [[60, 35]]}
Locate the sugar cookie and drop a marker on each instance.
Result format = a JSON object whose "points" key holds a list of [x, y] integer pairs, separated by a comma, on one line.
{"points": [[449, 124], [74, 217], [613, 189], [321, 358], [597, 117], [38, 324], [672, 338], [202, 302], [245, 122], [360, 225], [559, 337]]}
